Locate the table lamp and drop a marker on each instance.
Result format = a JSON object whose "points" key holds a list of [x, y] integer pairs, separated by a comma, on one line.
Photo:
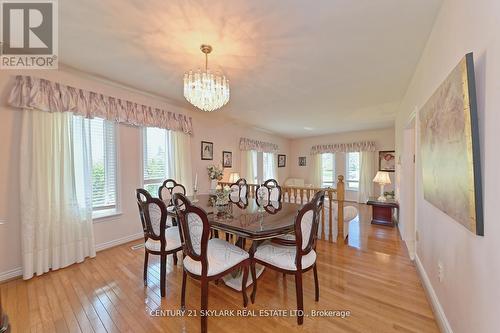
{"points": [[233, 177], [382, 178]]}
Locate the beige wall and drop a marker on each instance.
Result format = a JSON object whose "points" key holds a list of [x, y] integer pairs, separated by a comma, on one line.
{"points": [[207, 126], [468, 295], [383, 138]]}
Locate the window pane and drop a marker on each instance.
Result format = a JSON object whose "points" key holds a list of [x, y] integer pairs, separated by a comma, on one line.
{"points": [[352, 160], [155, 154], [103, 153], [353, 166], [152, 188], [353, 185], [328, 170]]}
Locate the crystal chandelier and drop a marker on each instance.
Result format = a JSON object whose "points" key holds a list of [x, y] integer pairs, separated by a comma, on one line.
{"points": [[203, 89]]}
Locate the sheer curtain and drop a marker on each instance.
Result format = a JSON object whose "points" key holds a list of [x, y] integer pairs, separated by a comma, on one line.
{"points": [[274, 161], [316, 170], [180, 159], [56, 214], [249, 165], [270, 169], [366, 174]]}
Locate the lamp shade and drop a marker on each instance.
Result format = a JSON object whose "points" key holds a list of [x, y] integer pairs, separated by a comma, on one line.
{"points": [[233, 177], [382, 177]]}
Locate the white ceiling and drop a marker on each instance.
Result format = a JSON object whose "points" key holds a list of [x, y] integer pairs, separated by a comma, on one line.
{"points": [[296, 68]]}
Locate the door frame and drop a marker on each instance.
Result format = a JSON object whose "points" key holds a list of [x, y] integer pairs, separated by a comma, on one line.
{"points": [[408, 184]]}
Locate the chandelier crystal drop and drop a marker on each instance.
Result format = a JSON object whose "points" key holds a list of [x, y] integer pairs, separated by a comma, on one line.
{"points": [[205, 90]]}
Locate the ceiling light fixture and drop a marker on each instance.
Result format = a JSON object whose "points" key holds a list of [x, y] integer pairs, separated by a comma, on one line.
{"points": [[206, 91]]}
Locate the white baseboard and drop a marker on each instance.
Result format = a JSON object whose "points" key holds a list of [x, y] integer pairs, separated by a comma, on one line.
{"points": [[410, 245], [17, 272], [119, 241], [13, 273], [441, 319]]}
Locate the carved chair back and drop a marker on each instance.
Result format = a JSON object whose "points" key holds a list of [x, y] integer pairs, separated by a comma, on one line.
{"points": [[306, 226], [168, 189], [153, 214], [271, 190], [195, 230], [238, 190]]}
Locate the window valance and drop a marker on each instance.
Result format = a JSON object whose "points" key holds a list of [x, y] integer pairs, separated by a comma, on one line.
{"points": [[41, 94], [343, 147], [250, 144]]}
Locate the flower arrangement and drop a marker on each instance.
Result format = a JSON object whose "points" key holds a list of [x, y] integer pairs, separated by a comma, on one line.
{"points": [[214, 172], [222, 195]]}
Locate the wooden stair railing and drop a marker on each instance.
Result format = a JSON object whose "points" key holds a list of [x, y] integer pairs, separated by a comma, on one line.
{"points": [[302, 195]]}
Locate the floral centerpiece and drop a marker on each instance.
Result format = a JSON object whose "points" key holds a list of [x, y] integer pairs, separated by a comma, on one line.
{"points": [[222, 195], [215, 174], [220, 201]]}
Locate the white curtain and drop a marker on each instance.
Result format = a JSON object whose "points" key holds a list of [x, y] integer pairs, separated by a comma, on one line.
{"points": [[180, 159], [274, 162], [249, 165], [316, 170], [366, 174], [56, 214], [270, 170]]}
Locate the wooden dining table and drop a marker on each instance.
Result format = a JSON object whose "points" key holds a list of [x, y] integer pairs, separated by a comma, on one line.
{"points": [[248, 219]]}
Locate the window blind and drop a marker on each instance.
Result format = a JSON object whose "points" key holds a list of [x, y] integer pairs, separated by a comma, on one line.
{"points": [[103, 148], [328, 170], [96, 138], [352, 167], [155, 157]]}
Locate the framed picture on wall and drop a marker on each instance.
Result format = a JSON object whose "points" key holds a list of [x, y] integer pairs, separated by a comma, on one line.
{"points": [[281, 161], [227, 159], [302, 161], [207, 150], [387, 160]]}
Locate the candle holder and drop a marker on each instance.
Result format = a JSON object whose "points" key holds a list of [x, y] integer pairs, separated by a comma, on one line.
{"points": [[195, 190]]}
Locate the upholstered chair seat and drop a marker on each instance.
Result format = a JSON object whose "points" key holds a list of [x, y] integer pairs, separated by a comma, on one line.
{"points": [[173, 238], [283, 256], [221, 256], [287, 237]]}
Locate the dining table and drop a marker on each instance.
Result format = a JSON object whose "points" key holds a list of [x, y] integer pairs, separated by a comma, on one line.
{"points": [[251, 219]]}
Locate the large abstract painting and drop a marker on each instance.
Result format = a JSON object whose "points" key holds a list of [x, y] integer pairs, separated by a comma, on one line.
{"points": [[449, 145]]}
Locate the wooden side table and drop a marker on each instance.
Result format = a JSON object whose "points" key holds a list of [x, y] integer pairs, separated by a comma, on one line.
{"points": [[382, 211]]}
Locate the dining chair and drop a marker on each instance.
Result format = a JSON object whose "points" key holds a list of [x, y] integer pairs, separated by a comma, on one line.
{"points": [[206, 259], [165, 193], [273, 207], [238, 196], [270, 189], [239, 190], [159, 239], [294, 259]]}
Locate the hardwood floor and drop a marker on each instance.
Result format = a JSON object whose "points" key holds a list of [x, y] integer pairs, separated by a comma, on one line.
{"points": [[372, 278]]}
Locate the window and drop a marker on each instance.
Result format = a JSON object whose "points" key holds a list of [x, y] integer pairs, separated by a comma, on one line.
{"points": [[155, 158], [98, 138], [328, 170], [269, 166], [352, 167]]}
